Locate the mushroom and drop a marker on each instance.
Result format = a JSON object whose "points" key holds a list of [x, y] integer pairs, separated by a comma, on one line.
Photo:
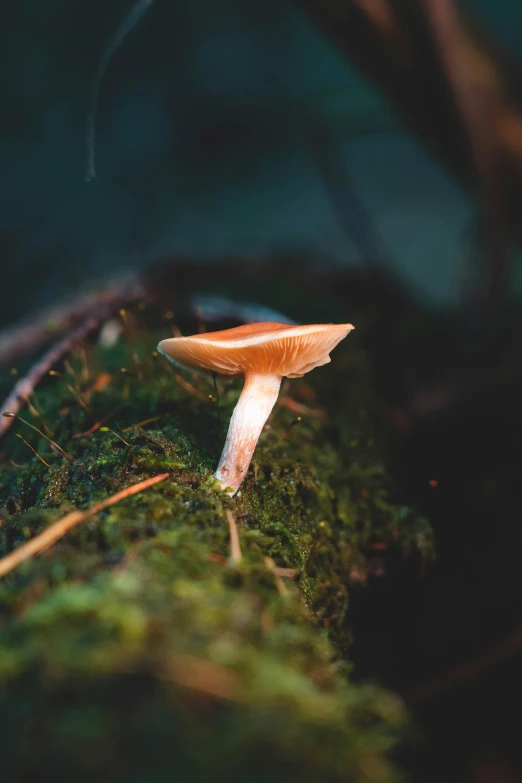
{"points": [[263, 353]]}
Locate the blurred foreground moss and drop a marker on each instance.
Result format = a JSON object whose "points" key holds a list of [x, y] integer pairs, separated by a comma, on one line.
{"points": [[134, 649]]}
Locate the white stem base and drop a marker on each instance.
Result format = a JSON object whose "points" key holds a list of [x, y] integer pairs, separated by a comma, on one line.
{"points": [[253, 408]]}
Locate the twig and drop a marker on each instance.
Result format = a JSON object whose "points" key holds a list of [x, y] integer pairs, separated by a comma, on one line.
{"points": [[25, 385], [29, 336], [235, 547], [467, 671], [62, 526], [401, 66], [19, 340]]}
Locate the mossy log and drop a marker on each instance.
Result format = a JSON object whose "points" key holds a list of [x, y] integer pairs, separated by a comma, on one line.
{"points": [[136, 648]]}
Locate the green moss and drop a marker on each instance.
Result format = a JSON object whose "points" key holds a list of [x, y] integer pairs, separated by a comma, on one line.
{"points": [[133, 649]]}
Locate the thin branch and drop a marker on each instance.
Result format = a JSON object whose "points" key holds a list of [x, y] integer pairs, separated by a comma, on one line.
{"points": [[62, 526], [19, 340], [467, 671], [26, 337], [398, 59], [24, 387]]}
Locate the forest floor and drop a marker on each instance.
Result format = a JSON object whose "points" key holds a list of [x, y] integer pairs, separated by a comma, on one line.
{"points": [[140, 645], [339, 642]]}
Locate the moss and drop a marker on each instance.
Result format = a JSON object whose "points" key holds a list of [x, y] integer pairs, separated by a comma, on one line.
{"points": [[133, 648]]}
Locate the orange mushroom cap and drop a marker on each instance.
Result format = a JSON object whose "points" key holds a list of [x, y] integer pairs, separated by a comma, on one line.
{"points": [[261, 348]]}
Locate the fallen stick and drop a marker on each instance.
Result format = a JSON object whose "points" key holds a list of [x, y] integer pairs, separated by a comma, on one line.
{"points": [[62, 526], [25, 386], [28, 336], [465, 672]]}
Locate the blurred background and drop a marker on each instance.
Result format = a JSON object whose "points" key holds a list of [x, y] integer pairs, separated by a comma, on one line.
{"points": [[370, 150], [247, 129]]}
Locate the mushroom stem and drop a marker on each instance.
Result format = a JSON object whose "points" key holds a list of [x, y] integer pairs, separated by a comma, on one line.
{"points": [[250, 414]]}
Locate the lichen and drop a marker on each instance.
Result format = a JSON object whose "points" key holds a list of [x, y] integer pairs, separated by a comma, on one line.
{"points": [[134, 648]]}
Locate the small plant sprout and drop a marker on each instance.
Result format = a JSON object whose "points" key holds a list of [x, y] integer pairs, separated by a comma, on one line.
{"points": [[33, 450], [297, 420], [235, 546], [263, 353], [292, 424], [108, 429], [54, 446]]}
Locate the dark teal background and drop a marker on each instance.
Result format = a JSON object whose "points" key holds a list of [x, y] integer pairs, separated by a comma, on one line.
{"points": [[203, 148]]}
